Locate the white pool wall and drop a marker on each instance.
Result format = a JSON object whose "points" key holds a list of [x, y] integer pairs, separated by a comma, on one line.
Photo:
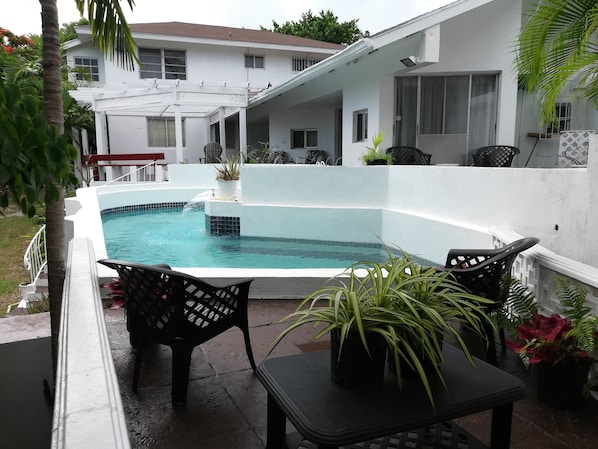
{"points": [[426, 210]]}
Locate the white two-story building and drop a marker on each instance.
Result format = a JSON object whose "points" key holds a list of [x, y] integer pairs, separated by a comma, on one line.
{"points": [[192, 86], [444, 82]]}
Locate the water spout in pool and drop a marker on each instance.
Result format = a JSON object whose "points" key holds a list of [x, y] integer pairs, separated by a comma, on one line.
{"points": [[197, 202]]}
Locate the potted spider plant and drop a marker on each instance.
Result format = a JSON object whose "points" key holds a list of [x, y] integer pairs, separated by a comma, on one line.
{"points": [[561, 346], [228, 173], [374, 155], [395, 307]]}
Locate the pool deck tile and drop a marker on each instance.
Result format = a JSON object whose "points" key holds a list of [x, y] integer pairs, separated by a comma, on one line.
{"points": [[226, 404]]}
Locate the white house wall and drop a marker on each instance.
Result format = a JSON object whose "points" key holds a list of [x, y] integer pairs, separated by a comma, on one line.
{"points": [[215, 65], [320, 119], [128, 134], [482, 40]]}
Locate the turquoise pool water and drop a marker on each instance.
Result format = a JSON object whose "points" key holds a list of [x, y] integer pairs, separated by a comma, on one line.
{"points": [[179, 239]]}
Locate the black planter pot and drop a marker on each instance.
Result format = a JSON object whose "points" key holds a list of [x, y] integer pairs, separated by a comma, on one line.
{"points": [[355, 368], [411, 375], [377, 162], [562, 386]]}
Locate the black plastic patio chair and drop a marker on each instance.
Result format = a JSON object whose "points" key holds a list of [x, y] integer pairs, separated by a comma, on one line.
{"points": [[403, 155], [180, 311], [494, 156], [482, 272], [212, 152]]}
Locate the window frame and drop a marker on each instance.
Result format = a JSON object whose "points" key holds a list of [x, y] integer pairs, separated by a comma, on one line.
{"points": [[165, 68], [169, 132], [360, 125], [300, 64], [82, 70], [304, 138], [253, 58], [563, 115]]}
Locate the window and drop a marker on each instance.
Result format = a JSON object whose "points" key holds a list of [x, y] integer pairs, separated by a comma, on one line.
{"points": [[304, 138], [161, 132], [360, 125], [300, 64], [162, 64], [86, 69], [562, 122], [254, 62]]}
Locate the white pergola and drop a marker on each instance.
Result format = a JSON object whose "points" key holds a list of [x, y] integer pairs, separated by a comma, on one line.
{"points": [[176, 99]]}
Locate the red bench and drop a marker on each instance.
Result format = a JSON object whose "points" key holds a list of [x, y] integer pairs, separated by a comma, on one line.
{"points": [[95, 159]]}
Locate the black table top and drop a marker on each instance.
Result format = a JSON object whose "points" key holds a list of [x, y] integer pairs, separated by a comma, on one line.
{"points": [[326, 413]]}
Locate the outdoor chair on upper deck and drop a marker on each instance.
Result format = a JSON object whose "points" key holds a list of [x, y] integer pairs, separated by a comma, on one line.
{"points": [[181, 311], [402, 155], [482, 272], [212, 151], [495, 156], [316, 156]]}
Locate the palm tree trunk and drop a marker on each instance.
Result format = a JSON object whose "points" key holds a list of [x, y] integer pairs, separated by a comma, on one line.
{"points": [[55, 239]]}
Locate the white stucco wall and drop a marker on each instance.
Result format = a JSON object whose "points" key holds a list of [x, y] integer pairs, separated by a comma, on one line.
{"points": [[321, 120], [482, 40]]}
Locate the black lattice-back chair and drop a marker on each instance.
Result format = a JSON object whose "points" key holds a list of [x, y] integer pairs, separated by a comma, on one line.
{"points": [[181, 311], [495, 156], [212, 151], [402, 155], [482, 272]]}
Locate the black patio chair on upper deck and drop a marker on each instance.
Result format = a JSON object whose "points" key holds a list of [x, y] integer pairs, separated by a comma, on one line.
{"points": [[482, 271], [212, 152], [180, 311], [404, 155], [495, 156]]}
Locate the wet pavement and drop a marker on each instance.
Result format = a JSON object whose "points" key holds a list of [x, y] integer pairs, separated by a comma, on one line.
{"points": [[226, 403]]}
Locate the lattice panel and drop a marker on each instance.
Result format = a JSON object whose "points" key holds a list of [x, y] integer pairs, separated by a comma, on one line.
{"points": [[573, 147]]}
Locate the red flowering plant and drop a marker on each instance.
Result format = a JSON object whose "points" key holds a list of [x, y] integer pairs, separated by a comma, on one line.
{"points": [[559, 339]]}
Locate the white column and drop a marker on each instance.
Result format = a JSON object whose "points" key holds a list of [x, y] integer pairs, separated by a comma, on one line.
{"points": [[178, 129], [102, 143], [222, 131], [243, 132]]}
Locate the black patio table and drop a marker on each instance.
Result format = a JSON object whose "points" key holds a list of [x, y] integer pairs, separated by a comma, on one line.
{"points": [[327, 415]]}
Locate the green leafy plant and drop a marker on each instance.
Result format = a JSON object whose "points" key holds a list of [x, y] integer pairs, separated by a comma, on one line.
{"points": [[39, 305], [229, 169], [414, 308], [374, 152], [559, 339]]}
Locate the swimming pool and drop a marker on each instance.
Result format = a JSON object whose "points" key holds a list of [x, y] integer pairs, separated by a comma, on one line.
{"points": [[179, 239]]}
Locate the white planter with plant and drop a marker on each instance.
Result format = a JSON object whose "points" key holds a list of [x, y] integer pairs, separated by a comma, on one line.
{"points": [[228, 173]]}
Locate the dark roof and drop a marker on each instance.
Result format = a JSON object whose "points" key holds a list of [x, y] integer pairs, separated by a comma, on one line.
{"points": [[228, 34]]}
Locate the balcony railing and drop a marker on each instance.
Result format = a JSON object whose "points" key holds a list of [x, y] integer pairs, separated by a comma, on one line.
{"points": [[129, 167]]}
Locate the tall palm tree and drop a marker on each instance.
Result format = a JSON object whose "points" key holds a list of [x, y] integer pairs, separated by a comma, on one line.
{"points": [[557, 44], [111, 32]]}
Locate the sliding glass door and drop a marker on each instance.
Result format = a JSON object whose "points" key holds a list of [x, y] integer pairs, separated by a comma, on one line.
{"points": [[446, 116]]}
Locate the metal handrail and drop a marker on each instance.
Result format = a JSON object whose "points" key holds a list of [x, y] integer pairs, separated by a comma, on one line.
{"points": [[128, 175], [35, 258]]}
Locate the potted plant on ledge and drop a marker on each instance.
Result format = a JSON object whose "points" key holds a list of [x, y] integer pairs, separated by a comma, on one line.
{"points": [[228, 173], [395, 306], [561, 347], [374, 154]]}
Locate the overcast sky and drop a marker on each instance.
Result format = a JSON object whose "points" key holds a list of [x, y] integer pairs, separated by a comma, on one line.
{"points": [[23, 16]]}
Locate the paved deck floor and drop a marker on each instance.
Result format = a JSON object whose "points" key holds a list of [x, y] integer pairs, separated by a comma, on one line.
{"points": [[226, 404]]}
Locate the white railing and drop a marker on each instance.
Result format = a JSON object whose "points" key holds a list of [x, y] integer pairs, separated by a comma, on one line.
{"points": [[151, 172], [35, 259]]}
